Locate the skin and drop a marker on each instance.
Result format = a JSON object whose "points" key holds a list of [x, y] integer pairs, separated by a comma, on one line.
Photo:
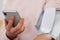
{"points": [[11, 31], [43, 37]]}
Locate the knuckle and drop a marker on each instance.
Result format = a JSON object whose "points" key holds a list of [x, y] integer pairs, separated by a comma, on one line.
{"points": [[22, 30]]}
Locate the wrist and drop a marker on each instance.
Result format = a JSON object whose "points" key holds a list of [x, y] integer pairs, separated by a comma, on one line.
{"points": [[10, 37]]}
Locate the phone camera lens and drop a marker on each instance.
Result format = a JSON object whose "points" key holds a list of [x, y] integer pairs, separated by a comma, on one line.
{"points": [[5, 14]]}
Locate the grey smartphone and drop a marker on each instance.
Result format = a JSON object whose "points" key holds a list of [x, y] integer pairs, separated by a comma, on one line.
{"points": [[10, 13]]}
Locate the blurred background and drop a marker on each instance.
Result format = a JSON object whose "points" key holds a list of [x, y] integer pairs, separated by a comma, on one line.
{"points": [[2, 3]]}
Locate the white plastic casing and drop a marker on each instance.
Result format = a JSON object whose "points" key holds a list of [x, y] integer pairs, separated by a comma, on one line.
{"points": [[48, 20]]}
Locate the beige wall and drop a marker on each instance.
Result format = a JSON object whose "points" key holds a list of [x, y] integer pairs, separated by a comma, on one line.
{"points": [[54, 4]]}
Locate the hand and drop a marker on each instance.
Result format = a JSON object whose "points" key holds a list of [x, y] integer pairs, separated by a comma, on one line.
{"points": [[43, 37], [11, 31]]}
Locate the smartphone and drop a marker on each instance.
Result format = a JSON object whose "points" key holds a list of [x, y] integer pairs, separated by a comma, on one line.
{"points": [[10, 13]]}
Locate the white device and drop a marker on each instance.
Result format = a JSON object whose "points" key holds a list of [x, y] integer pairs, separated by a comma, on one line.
{"points": [[47, 20]]}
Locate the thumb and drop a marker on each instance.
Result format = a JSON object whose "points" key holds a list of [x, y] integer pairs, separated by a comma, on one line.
{"points": [[10, 22]]}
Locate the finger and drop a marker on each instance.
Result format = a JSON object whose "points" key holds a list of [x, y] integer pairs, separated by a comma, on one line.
{"points": [[21, 30], [21, 22], [18, 27], [11, 21], [6, 22]]}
